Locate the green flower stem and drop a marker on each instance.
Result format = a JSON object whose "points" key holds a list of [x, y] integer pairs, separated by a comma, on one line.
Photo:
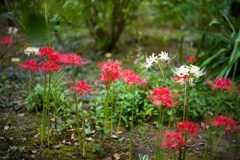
{"points": [[120, 116], [5, 75], [35, 101], [188, 98], [219, 103], [207, 145], [185, 146], [112, 106], [83, 129], [27, 81], [159, 137], [185, 102], [131, 129], [160, 67], [216, 146], [106, 110], [174, 117], [76, 106], [43, 126], [180, 153], [48, 108]]}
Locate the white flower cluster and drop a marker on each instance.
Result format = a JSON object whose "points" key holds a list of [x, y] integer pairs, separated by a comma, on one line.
{"points": [[31, 51], [12, 30], [188, 72], [163, 56]]}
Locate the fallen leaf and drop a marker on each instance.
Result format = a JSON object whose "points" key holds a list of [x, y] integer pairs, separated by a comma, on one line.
{"points": [[71, 130], [64, 141], [6, 127], [34, 151], [90, 139], [119, 132], [53, 119], [72, 136], [114, 136], [68, 143], [117, 156], [21, 114], [75, 144], [57, 146], [36, 135]]}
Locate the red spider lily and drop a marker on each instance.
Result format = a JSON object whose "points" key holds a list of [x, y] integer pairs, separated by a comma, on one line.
{"points": [[30, 64], [6, 40], [227, 123], [173, 140], [111, 71], [162, 96], [82, 87], [188, 128], [222, 83], [50, 67], [71, 59], [54, 57], [130, 78], [191, 59], [46, 52]]}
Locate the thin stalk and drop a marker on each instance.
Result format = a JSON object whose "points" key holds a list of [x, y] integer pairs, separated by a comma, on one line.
{"points": [[185, 146], [174, 117], [120, 116], [106, 110], [83, 127], [185, 102], [219, 103], [112, 105], [180, 153], [208, 142], [159, 136], [34, 95], [216, 146], [5, 76], [188, 98], [48, 108], [131, 131], [43, 129], [76, 105], [160, 67], [27, 81]]}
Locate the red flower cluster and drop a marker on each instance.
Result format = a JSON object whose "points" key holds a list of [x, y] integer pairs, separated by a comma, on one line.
{"points": [[6, 40], [162, 96], [52, 56], [191, 59], [227, 123], [71, 59], [111, 71], [82, 87], [223, 84], [50, 67], [188, 128], [173, 140], [130, 78], [30, 64], [46, 52]]}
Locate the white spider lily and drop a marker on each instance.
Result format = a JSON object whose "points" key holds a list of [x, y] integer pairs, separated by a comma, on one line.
{"points": [[196, 71], [186, 74], [31, 51], [12, 30], [150, 61], [163, 56], [182, 71]]}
